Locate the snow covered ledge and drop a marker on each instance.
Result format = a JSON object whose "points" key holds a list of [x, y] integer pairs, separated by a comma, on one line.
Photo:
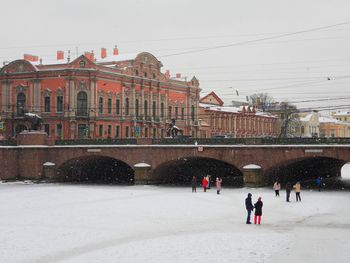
{"points": [[252, 176], [142, 173]]}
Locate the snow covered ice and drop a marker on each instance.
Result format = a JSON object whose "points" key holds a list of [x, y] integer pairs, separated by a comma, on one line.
{"points": [[89, 223]]}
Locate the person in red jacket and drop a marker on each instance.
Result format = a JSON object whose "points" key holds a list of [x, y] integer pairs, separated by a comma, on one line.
{"points": [[204, 184], [258, 211]]}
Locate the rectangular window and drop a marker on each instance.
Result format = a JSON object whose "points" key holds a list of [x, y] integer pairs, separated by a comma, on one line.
{"points": [[170, 112], [154, 133], [109, 106], [176, 113], [109, 131], [100, 130], [100, 105], [117, 106], [47, 104], [59, 130], [182, 113], [127, 132], [59, 106], [47, 129], [154, 109], [117, 131], [162, 110]]}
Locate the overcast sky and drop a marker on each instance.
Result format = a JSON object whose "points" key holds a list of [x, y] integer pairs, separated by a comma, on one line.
{"points": [[308, 66]]}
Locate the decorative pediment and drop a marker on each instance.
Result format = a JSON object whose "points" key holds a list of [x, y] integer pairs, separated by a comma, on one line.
{"points": [[59, 91], [82, 85], [21, 88], [18, 66], [47, 92], [82, 62], [148, 58], [212, 99]]}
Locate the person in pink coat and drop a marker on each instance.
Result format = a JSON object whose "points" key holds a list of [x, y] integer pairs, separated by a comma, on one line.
{"points": [[218, 184]]}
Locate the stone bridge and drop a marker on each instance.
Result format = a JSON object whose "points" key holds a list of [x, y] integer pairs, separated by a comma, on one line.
{"points": [[173, 163]]}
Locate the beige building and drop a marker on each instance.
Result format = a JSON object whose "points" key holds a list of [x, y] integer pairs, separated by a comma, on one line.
{"points": [[341, 115], [309, 125]]}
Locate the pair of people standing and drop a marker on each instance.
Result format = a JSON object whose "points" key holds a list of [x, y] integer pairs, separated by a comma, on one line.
{"points": [[297, 188], [206, 184], [250, 207]]}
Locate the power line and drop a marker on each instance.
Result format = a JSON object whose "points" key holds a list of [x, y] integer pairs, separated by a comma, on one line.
{"points": [[257, 40]]}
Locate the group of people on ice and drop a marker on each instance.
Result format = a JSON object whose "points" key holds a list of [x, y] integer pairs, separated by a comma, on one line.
{"points": [[259, 204], [206, 184], [248, 201], [297, 188]]}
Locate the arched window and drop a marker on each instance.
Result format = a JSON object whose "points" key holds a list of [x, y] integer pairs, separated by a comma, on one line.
{"points": [[137, 108], [127, 106], [21, 104], [82, 104], [146, 108]]}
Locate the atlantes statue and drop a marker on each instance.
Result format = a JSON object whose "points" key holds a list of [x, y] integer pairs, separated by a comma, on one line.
{"points": [[34, 119], [173, 130]]}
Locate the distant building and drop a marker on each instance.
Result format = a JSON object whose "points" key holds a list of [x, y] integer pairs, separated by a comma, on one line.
{"points": [[341, 115], [238, 122], [309, 124], [330, 127]]}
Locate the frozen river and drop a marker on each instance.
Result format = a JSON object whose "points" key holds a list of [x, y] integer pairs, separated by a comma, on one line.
{"points": [[76, 223]]}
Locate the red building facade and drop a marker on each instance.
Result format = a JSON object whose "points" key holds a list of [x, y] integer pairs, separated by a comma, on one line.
{"points": [[85, 98]]}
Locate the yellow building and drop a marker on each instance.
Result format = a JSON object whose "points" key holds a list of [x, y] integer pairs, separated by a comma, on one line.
{"points": [[330, 127]]}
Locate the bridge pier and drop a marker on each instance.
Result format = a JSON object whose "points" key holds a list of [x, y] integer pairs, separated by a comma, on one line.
{"points": [[253, 177], [143, 173]]}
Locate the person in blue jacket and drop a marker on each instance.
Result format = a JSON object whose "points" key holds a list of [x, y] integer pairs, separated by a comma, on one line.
{"points": [[249, 206]]}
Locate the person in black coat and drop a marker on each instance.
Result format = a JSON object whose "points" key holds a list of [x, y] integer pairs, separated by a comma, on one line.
{"points": [[258, 211], [194, 184], [288, 190], [249, 206]]}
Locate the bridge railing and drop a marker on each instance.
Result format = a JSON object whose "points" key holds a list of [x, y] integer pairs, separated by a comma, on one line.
{"points": [[96, 142], [8, 143], [250, 141]]}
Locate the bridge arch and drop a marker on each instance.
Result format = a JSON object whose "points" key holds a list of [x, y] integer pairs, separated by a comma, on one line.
{"points": [[305, 169], [181, 171], [95, 169]]}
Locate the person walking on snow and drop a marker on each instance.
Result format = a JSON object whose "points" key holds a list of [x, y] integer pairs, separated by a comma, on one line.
{"points": [[194, 184], [288, 190], [277, 188], [208, 180], [258, 211], [218, 183], [204, 184], [319, 183], [249, 206], [297, 188]]}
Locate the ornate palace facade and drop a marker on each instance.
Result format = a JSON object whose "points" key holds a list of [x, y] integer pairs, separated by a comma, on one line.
{"points": [[112, 97]]}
